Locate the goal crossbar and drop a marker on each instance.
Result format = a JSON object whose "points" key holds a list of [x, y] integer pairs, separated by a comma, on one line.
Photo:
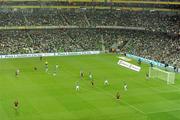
{"points": [[157, 73]]}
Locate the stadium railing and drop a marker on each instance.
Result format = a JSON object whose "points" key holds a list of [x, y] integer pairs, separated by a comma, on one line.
{"points": [[49, 54], [158, 64]]}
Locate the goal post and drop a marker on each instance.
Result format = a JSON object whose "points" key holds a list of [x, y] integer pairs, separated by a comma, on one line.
{"points": [[157, 73]]}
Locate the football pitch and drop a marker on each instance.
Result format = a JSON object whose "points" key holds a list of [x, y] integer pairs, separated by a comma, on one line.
{"points": [[43, 96]]}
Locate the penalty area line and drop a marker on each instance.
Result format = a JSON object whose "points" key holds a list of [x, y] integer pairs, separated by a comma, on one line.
{"points": [[108, 94], [131, 106]]}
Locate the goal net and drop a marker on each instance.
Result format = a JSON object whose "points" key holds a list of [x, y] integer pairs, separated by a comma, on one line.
{"points": [[157, 73]]}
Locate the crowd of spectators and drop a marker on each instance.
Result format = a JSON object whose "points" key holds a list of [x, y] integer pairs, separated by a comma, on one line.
{"points": [[159, 41], [150, 20], [56, 40], [155, 46]]}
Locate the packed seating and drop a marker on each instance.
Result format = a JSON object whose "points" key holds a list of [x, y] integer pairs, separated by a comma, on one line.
{"points": [[158, 41], [23, 41], [155, 46], [150, 20]]}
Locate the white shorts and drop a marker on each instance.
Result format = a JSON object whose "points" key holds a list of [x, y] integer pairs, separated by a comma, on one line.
{"points": [[77, 87]]}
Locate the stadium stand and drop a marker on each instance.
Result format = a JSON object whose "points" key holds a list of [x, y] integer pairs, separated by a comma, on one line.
{"points": [[150, 20], [158, 41]]}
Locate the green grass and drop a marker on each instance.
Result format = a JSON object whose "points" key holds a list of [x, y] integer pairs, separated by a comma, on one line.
{"points": [[43, 96]]}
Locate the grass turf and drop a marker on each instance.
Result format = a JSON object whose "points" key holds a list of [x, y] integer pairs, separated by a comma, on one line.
{"points": [[43, 96]]}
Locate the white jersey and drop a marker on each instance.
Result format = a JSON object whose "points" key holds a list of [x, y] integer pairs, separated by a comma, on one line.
{"points": [[125, 87], [90, 76], [106, 82], [77, 87], [57, 66], [17, 71]]}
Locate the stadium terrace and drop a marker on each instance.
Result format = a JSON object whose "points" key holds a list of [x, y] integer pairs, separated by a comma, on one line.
{"points": [[89, 60]]}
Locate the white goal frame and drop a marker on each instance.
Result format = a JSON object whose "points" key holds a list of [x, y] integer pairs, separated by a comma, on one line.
{"points": [[157, 73]]}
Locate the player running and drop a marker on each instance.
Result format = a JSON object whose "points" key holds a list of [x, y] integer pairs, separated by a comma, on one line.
{"points": [[125, 87], [35, 68], [90, 76], [81, 74], [106, 82], [92, 83], [77, 86], [16, 105], [46, 66], [17, 72], [118, 95]]}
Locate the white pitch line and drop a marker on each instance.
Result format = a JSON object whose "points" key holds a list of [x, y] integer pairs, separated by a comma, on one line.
{"points": [[135, 108], [175, 87], [164, 111]]}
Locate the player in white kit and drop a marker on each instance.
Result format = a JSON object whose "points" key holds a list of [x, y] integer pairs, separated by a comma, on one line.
{"points": [[125, 87], [106, 82], [77, 86]]}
